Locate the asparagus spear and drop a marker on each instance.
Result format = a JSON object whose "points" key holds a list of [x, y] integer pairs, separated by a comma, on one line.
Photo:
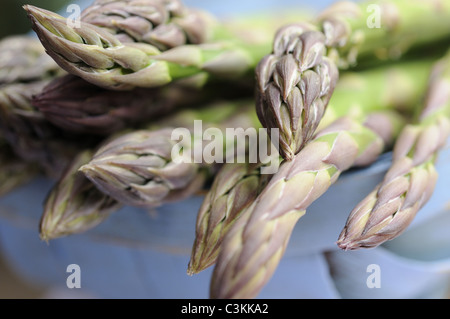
{"points": [[137, 168], [296, 80], [74, 105], [162, 23], [237, 185], [74, 205], [407, 186], [254, 245], [100, 58], [295, 83]]}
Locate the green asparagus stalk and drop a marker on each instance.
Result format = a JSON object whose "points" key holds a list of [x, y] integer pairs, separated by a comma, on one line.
{"points": [[236, 185], [23, 59], [254, 245], [138, 168], [163, 23], [409, 183], [97, 56], [296, 81], [74, 205]]}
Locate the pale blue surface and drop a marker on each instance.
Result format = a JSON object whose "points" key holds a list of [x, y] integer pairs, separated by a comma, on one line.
{"points": [[137, 254]]}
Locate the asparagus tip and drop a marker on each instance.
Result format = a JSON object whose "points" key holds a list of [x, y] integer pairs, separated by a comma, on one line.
{"points": [[34, 12], [191, 272], [86, 169], [45, 236], [195, 268], [347, 245]]}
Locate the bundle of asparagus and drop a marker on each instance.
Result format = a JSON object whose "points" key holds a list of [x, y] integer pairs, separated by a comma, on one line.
{"points": [[101, 104], [296, 81], [236, 186], [97, 110], [253, 246], [138, 168]]}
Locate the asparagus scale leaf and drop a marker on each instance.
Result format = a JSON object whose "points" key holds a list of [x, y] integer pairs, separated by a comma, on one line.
{"points": [[163, 23], [409, 183], [74, 205]]}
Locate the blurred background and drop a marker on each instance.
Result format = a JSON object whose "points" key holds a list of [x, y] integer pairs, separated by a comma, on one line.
{"points": [[13, 19]]}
